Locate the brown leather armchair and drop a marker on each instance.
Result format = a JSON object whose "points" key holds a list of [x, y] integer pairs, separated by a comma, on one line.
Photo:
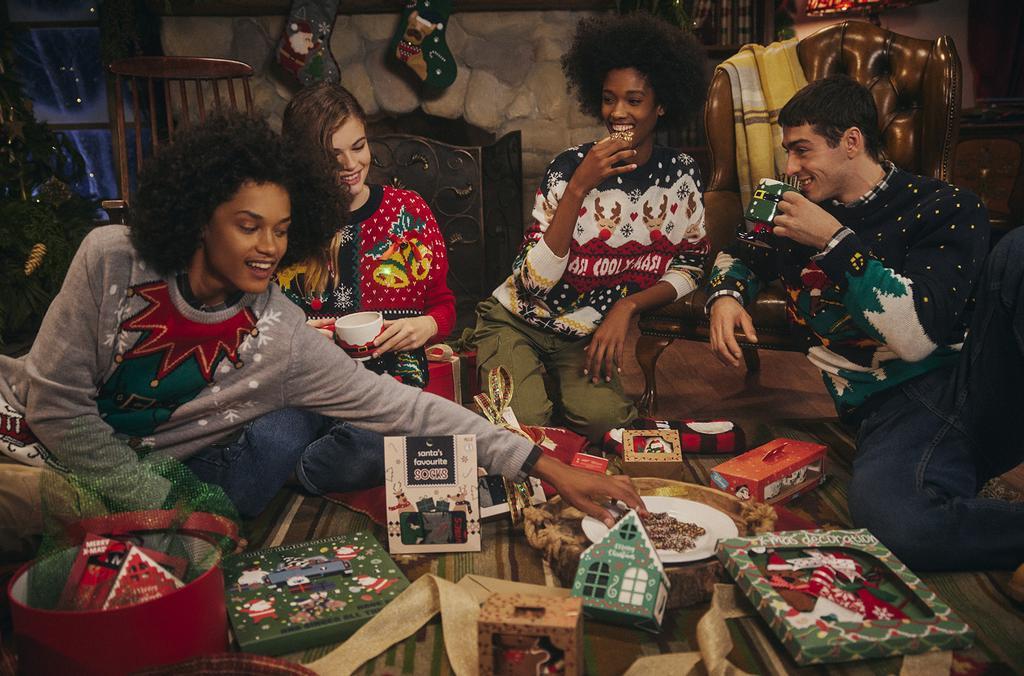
{"points": [[916, 86]]}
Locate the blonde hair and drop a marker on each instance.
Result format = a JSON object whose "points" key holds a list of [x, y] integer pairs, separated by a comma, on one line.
{"points": [[313, 116]]}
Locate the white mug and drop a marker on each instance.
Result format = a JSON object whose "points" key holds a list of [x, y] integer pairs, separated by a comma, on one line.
{"points": [[356, 332]]}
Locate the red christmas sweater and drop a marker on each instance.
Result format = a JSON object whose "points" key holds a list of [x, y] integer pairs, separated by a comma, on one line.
{"points": [[633, 231], [393, 260]]}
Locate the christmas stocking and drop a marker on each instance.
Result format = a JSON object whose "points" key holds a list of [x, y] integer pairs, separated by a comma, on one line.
{"points": [[420, 41], [304, 49]]}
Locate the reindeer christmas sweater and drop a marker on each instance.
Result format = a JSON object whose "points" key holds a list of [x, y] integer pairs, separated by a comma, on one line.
{"points": [[889, 301], [123, 366], [633, 230]]}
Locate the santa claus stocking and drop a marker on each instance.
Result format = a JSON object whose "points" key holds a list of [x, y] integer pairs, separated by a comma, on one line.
{"points": [[420, 43], [304, 50]]}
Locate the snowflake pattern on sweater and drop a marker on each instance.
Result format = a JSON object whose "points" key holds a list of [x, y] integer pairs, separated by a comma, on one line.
{"points": [[890, 301], [187, 378], [393, 260], [632, 231]]}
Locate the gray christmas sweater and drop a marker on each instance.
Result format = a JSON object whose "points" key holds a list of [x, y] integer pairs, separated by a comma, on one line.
{"points": [[122, 357], [888, 301]]}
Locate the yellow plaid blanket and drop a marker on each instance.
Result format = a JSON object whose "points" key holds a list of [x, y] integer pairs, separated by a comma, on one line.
{"points": [[763, 79]]}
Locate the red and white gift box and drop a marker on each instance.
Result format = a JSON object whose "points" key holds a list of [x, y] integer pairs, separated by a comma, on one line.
{"points": [[775, 472], [445, 372]]}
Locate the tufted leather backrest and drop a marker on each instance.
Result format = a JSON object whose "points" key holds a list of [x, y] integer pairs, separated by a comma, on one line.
{"points": [[915, 83]]}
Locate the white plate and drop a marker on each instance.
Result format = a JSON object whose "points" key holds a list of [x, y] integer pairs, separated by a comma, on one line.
{"points": [[718, 526]]}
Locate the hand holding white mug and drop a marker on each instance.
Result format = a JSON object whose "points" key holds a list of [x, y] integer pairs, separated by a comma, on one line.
{"points": [[324, 326], [356, 333], [405, 334]]}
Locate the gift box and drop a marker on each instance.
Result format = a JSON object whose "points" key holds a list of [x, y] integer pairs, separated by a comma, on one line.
{"points": [[497, 494], [833, 596], [432, 499], [444, 369], [652, 453], [52, 641], [620, 578], [695, 436], [520, 634], [464, 347], [774, 473], [290, 598]]}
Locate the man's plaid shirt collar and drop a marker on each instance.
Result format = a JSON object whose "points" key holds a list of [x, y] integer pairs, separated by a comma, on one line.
{"points": [[890, 169]]}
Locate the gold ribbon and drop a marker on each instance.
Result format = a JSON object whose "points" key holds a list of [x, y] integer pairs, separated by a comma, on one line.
{"points": [[498, 397], [715, 644], [403, 617]]}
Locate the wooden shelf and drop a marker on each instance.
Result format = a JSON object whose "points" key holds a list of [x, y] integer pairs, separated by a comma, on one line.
{"points": [[281, 7]]}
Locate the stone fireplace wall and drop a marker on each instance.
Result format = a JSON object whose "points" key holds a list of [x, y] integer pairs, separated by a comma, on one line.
{"points": [[509, 75]]}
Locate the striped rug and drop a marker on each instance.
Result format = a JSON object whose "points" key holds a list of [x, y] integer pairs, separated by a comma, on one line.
{"points": [[295, 517]]}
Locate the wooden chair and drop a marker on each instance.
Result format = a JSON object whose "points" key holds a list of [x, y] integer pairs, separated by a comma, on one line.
{"points": [[916, 86], [163, 94]]}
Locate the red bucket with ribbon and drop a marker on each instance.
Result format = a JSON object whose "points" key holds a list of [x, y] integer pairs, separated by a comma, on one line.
{"points": [[185, 623]]}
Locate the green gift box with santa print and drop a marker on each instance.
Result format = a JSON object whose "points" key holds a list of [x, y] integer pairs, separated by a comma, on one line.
{"points": [[834, 596], [294, 597]]}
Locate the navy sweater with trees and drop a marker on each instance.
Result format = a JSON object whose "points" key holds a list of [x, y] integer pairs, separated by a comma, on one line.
{"points": [[890, 301]]}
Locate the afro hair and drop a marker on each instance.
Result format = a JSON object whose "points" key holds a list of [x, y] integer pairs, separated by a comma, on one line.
{"points": [[206, 165], [671, 60]]}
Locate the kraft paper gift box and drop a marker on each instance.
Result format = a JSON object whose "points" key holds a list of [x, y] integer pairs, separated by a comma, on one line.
{"points": [[652, 453], [522, 634], [775, 472]]}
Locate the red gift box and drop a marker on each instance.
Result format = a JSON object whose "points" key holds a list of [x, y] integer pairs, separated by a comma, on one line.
{"points": [[445, 371], [775, 472]]}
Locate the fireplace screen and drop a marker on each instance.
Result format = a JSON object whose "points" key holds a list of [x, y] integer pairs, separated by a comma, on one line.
{"points": [[475, 193]]}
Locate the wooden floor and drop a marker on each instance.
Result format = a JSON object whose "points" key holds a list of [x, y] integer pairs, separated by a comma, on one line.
{"points": [[693, 383]]}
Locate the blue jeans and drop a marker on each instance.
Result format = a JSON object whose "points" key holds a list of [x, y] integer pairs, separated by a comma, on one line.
{"points": [[326, 455], [931, 443]]}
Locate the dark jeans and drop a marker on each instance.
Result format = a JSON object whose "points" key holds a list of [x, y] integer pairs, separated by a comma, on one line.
{"points": [[326, 455], [924, 452]]}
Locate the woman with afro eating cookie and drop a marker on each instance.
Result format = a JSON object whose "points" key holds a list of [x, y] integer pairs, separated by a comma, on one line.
{"points": [[618, 228]]}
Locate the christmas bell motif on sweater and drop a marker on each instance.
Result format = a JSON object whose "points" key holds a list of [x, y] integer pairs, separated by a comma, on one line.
{"points": [[403, 257]]}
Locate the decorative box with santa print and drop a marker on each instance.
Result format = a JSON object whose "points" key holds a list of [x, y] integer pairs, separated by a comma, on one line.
{"points": [[833, 596], [775, 472], [432, 500], [652, 453], [298, 596], [528, 635]]}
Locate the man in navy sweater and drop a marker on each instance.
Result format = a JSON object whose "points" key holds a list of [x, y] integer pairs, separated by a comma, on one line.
{"points": [[919, 337]]}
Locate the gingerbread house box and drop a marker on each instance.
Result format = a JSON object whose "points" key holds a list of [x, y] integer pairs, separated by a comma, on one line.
{"points": [[652, 453], [432, 494], [620, 578], [294, 597], [774, 472], [521, 634], [833, 596]]}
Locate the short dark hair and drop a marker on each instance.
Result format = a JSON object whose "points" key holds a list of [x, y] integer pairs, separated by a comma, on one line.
{"points": [[206, 165], [831, 106], [671, 59]]}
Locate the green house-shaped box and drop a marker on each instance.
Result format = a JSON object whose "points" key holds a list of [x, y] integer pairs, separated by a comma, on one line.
{"points": [[620, 578]]}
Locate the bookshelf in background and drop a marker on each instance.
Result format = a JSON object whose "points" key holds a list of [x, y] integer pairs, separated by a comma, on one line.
{"points": [[723, 26]]}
